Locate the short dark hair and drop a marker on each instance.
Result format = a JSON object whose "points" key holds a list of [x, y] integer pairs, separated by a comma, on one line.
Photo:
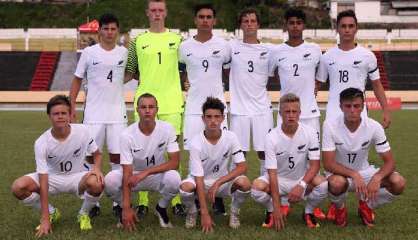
{"points": [[350, 94], [57, 100], [346, 13], [213, 103], [248, 11], [108, 18], [146, 95], [199, 7], [295, 12]]}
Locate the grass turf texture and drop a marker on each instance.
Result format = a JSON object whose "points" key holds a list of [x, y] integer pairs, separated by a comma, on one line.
{"points": [[19, 130]]}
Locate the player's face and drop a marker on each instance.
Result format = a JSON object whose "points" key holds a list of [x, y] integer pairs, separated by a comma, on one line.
{"points": [[290, 113], [147, 109], [156, 12], [347, 29], [109, 32], [213, 119], [352, 109], [204, 19], [249, 24], [59, 116], [295, 27]]}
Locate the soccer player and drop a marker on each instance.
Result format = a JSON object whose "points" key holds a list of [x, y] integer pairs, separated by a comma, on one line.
{"points": [[143, 147], [204, 56], [350, 65], [103, 66], [296, 62], [292, 163], [59, 156], [154, 55], [251, 110], [210, 174], [345, 146]]}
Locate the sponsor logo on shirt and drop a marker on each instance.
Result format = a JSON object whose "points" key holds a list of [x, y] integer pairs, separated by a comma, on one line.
{"points": [[120, 62], [338, 144], [145, 46], [215, 54], [356, 64], [205, 159], [280, 153], [313, 111], [188, 55], [281, 59], [331, 63], [236, 53], [225, 155], [95, 63], [365, 145], [51, 156], [172, 45], [161, 144], [306, 56], [301, 147], [137, 150], [263, 55], [77, 152]]}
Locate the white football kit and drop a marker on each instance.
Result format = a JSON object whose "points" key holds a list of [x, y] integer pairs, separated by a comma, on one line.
{"points": [[204, 64], [346, 69], [251, 110], [297, 68], [352, 150], [63, 161], [143, 152], [105, 110]]}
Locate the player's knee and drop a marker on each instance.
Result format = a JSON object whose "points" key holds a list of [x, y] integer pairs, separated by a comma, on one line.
{"points": [[318, 179], [243, 183], [187, 187], [397, 184], [94, 187], [18, 188], [259, 196], [259, 185], [337, 184]]}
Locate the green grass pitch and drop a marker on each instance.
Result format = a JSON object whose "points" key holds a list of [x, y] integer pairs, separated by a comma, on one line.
{"points": [[18, 131]]}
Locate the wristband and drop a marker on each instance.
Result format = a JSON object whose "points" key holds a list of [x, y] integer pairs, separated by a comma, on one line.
{"points": [[303, 184]]}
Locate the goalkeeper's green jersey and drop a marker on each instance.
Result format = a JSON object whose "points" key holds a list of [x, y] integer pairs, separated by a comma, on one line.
{"points": [[155, 55]]}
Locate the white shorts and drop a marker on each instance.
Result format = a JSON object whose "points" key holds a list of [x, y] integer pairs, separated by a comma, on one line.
{"points": [[223, 191], [285, 185], [110, 132], [193, 125], [152, 183], [366, 174], [257, 125], [61, 183]]}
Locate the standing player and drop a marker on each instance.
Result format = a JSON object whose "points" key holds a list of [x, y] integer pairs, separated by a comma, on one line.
{"points": [[345, 146], [296, 62], [154, 55], [210, 174], [143, 147], [350, 65], [292, 162], [103, 66], [59, 155], [251, 110], [204, 56]]}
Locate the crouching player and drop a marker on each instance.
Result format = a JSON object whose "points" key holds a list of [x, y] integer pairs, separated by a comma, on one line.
{"points": [[345, 145], [144, 168], [59, 156], [210, 175], [292, 163]]}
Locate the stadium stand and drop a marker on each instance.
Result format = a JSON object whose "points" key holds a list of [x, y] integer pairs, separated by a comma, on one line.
{"points": [[13, 37], [372, 34], [401, 67], [64, 72], [52, 39], [44, 72], [17, 69], [382, 70]]}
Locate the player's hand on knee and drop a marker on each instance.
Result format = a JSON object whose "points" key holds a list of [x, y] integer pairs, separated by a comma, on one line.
{"points": [[212, 192], [295, 195], [129, 219], [206, 222], [44, 229], [373, 187], [360, 186], [278, 219], [99, 175]]}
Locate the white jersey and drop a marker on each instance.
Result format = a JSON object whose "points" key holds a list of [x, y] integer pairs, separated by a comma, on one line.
{"points": [[296, 68], [346, 69], [352, 148], [290, 156], [250, 67], [64, 157], [143, 151], [104, 71], [212, 161], [204, 64]]}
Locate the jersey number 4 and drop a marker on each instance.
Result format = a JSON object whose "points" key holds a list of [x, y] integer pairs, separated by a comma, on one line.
{"points": [[110, 76]]}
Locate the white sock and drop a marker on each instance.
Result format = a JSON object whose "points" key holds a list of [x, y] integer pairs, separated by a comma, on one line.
{"points": [[88, 203], [383, 197], [238, 198], [318, 194], [34, 201], [284, 201], [187, 198], [338, 200], [262, 198]]}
